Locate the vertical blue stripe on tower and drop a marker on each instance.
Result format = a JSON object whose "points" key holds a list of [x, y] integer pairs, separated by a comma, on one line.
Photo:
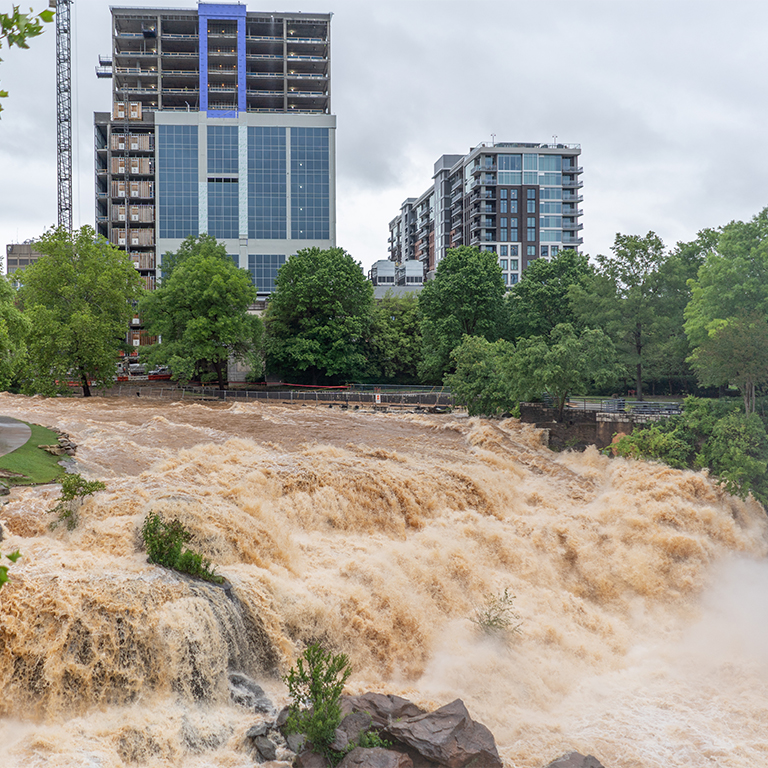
{"points": [[205, 12]]}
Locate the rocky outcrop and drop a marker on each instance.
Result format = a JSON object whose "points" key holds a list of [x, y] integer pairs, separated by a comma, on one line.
{"points": [[575, 760], [375, 758], [382, 708], [448, 736]]}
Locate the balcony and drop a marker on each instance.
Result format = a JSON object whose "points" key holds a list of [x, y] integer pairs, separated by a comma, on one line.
{"points": [[572, 240], [572, 184], [572, 197], [574, 227], [573, 169]]}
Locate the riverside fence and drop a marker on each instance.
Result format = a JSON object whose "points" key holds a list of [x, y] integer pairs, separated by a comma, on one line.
{"points": [[424, 398]]}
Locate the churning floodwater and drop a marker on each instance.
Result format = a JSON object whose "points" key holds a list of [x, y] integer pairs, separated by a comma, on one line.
{"points": [[642, 589]]}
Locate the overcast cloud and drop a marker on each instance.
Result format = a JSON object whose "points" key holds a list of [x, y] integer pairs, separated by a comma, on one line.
{"points": [[666, 98]]}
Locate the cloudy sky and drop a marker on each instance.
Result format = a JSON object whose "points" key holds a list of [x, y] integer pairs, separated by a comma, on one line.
{"points": [[666, 97]]}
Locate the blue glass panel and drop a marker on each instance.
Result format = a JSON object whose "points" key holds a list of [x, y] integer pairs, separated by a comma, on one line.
{"points": [[263, 269], [177, 187], [223, 217], [266, 184], [310, 184], [222, 149]]}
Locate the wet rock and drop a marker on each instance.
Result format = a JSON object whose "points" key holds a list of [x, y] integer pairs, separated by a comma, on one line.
{"points": [[375, 758], [355, 725], [246, 693], [295, 741], [256, 730], [448, 736], [340, 741], [575, 759], [266, 748], [282, 718], [310, 759], [383, 709]]}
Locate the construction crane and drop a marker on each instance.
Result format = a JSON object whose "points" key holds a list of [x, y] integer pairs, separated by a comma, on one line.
{"points": [[64, 110]]}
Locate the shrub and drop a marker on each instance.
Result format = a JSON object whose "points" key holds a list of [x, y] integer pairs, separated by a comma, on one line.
{"points": [[315, 684], [164, 542], [497, 614], [74, 489]]}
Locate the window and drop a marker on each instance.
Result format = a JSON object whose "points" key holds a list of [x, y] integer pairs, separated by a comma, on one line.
{"points": [[502, 194], [531, 206], [530, 177], [513, 206], [512, 177], [177, 185], [222, 149], [489, 248], [503, 233], [513, 252], [531, 250], [503, 206], [513, 235], [553, 207], [531, 194], [513, 194], [503, 250], [531, 221], [263, 269], [513, 278], [503, 262], [551, 179], [509, 162], [550, 163], [503, 221], [310, 184], [551, 222], [544, 251], [530, 235], [551, 194], [554, 250], [530, 162], [223, 208], [488, 235], [506, 279], [267, 215], [513, 263]]}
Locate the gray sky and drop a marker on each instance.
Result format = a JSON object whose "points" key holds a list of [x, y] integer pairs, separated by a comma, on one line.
{"points": [[666, 97]]}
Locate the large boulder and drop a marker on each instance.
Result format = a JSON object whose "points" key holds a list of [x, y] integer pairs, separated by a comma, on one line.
{"points": [[447, 736], [309, 759], [375, 758], [383, 709], [575, 760], [356, 724]]}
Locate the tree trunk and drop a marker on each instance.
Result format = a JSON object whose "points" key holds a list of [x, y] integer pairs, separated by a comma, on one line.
{"points": [[220, 374], [639, 350], [86, 386], [639, 381]]}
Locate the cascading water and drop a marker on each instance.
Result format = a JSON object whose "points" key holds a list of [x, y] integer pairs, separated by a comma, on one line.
{"points": [[641, 587]]}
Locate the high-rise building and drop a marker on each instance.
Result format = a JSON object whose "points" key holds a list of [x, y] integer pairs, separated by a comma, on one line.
{"points": [[221, 123], [519, 200]]}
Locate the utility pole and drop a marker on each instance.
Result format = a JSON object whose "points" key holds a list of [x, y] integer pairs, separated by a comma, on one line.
{"points": [[64, 111]]}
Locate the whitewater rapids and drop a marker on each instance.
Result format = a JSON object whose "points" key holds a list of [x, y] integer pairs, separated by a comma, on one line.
{"points": [[642, 589]]}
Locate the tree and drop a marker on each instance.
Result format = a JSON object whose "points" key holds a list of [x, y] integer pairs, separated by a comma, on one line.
{"points": [[201, 313], [734, 352], [465, 298], [14, 328], [78, 298], [541, 300], [482, 380], [622, 298], [395, 339], [319, 317], [730, 295], [16, 28], [563, 364]]}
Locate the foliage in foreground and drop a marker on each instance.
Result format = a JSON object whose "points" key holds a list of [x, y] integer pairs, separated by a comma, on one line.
{"points": [[165, 544], [708, 434], [315, 685], [497, 614], [13, 557], [74, 489]]}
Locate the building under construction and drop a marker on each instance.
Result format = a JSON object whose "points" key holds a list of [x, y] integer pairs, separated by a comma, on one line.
{"points": [[221, 123]]}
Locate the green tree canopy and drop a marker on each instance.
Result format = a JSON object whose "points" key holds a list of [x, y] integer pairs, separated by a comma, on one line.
{"points": [[201, 313], [395, 339], [541, 300], [465, 298], [14, 327], [79, 299], [563, 364], [319, 317], [623, 299], [483, 380]]}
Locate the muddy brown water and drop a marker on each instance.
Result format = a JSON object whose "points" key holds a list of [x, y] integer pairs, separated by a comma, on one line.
{"points": [[641, 588]]}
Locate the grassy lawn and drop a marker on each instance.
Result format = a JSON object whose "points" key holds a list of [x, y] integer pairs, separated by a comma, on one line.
{"points": [[35, 464]]}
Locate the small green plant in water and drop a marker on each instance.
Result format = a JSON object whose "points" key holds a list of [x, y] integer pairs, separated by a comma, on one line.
{"points": [[315, 685], [74, 489], [165, 545], [497, 614], [13, 557]]}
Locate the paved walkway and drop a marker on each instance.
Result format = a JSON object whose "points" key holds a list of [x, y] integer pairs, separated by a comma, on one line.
{"points": [[13, 434]]}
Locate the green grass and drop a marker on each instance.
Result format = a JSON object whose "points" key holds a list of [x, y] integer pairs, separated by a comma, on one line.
{"points": [[36, 465]]}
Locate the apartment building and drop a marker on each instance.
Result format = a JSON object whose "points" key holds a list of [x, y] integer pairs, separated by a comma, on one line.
{"points": [[220, 123], [518, 200]]}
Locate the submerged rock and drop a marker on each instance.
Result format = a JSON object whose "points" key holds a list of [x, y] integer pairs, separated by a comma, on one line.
{"points": [[575, 759], [246, 693], [448, 736]]}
